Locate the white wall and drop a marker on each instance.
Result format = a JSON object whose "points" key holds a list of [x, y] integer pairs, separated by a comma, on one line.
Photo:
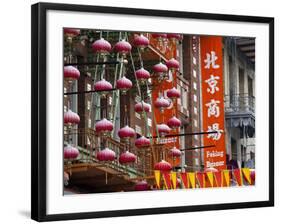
{"points": [[15, 109]]}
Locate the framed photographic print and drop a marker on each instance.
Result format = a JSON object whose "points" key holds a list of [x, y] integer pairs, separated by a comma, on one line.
{"points": [[138, 111]]}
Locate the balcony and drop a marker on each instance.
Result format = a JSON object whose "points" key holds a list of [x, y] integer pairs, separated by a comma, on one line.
{"points": [[240, 110]]}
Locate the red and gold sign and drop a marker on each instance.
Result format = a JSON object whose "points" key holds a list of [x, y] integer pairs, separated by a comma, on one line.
{"points": [[213, 101]]}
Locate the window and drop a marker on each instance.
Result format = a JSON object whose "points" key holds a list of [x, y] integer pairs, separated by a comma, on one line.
{"points": [[89, 87], [64, 108], [195, 123], [149, 121], [196, 161], [196, 137], [88, 104], [195, 85], [195, 110], [137, 115], [194, 60], [194, 98], [89, 123], [138, 130], [194, 73]]}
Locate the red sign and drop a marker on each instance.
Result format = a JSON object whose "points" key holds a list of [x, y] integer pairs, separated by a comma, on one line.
{"points": [[213, 101]]}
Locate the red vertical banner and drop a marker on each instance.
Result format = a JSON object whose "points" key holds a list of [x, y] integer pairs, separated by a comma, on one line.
{"points": [[213, 101]]}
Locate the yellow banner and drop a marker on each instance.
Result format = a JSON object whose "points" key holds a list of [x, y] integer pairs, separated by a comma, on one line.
{"points": [[210, 176], [191, 177], [246, 173], [157, 177], [174, 179], [226, 177]]}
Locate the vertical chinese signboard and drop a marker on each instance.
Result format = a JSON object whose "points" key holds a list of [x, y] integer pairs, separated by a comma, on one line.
{"points": [[213, 101]]}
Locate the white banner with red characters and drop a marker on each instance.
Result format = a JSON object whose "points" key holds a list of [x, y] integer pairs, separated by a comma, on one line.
{"points": [[213, 101]]}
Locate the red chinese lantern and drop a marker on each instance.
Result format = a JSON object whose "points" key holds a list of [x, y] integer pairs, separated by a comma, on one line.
{"points": [[163, 129], [106, 155], [163, 166], [174, 37], [103, 87], [174, 122], [142, 142], [142, 107], [173, 64], [123, 47], [70, 73], [101, 47], [104, 126], [127, 157], [161, 103], [141, 186], [160, 70], [142, 75], [141, 42], [174, 152], [70, 32], [124, 84], [126, 133], [70, 152], [71, 118], [173, 93], [159, 36]]}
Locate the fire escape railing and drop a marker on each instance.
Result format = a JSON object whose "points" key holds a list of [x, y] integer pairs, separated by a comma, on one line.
{"points": [[240, 103]]}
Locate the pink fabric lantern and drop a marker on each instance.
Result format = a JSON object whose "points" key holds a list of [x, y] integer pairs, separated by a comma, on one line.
{"points": [[161, 103], [163, 129], [174, 152], [70, 73], [142, 75], [141, 186], [159, 36], [124, 84], [103, 87], [70, 152], [71, 118], [160, 70], [163, 166], [104, 126], [106, 155], [101, 47], [127, 157], [141, 42], [142, 106], [142, 142], [126, 133], [69, 32], [174, 37], [173, 93], [173, 64], [123, 47], [174, 122]]}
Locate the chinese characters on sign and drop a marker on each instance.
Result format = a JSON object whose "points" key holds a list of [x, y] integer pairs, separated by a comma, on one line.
{"points": [[212, 101]]}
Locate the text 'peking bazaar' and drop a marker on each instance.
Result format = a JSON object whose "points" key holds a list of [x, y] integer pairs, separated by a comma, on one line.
{"points": [[157, 111]]}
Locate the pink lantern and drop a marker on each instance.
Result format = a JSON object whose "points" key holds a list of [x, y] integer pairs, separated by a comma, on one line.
{"points": [[142, 75], [174, 122], [141, 186], [161, 103], [103, 87], [160, 70], [71, 118], [123, 47], [104, 126], [127, 157], [70, 152], [106, 155], [173, 93], [173, 64], [174, 152], [69, 32], [141, 42], [70, 73], [124, 84], [163, 129], [126, 133], [163, 166], [174, 37], [101, 47], [142, 107], [159, 36], [142, 142]]}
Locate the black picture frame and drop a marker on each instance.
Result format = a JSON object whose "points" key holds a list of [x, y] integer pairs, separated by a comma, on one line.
{"points": [[39, 122]]}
